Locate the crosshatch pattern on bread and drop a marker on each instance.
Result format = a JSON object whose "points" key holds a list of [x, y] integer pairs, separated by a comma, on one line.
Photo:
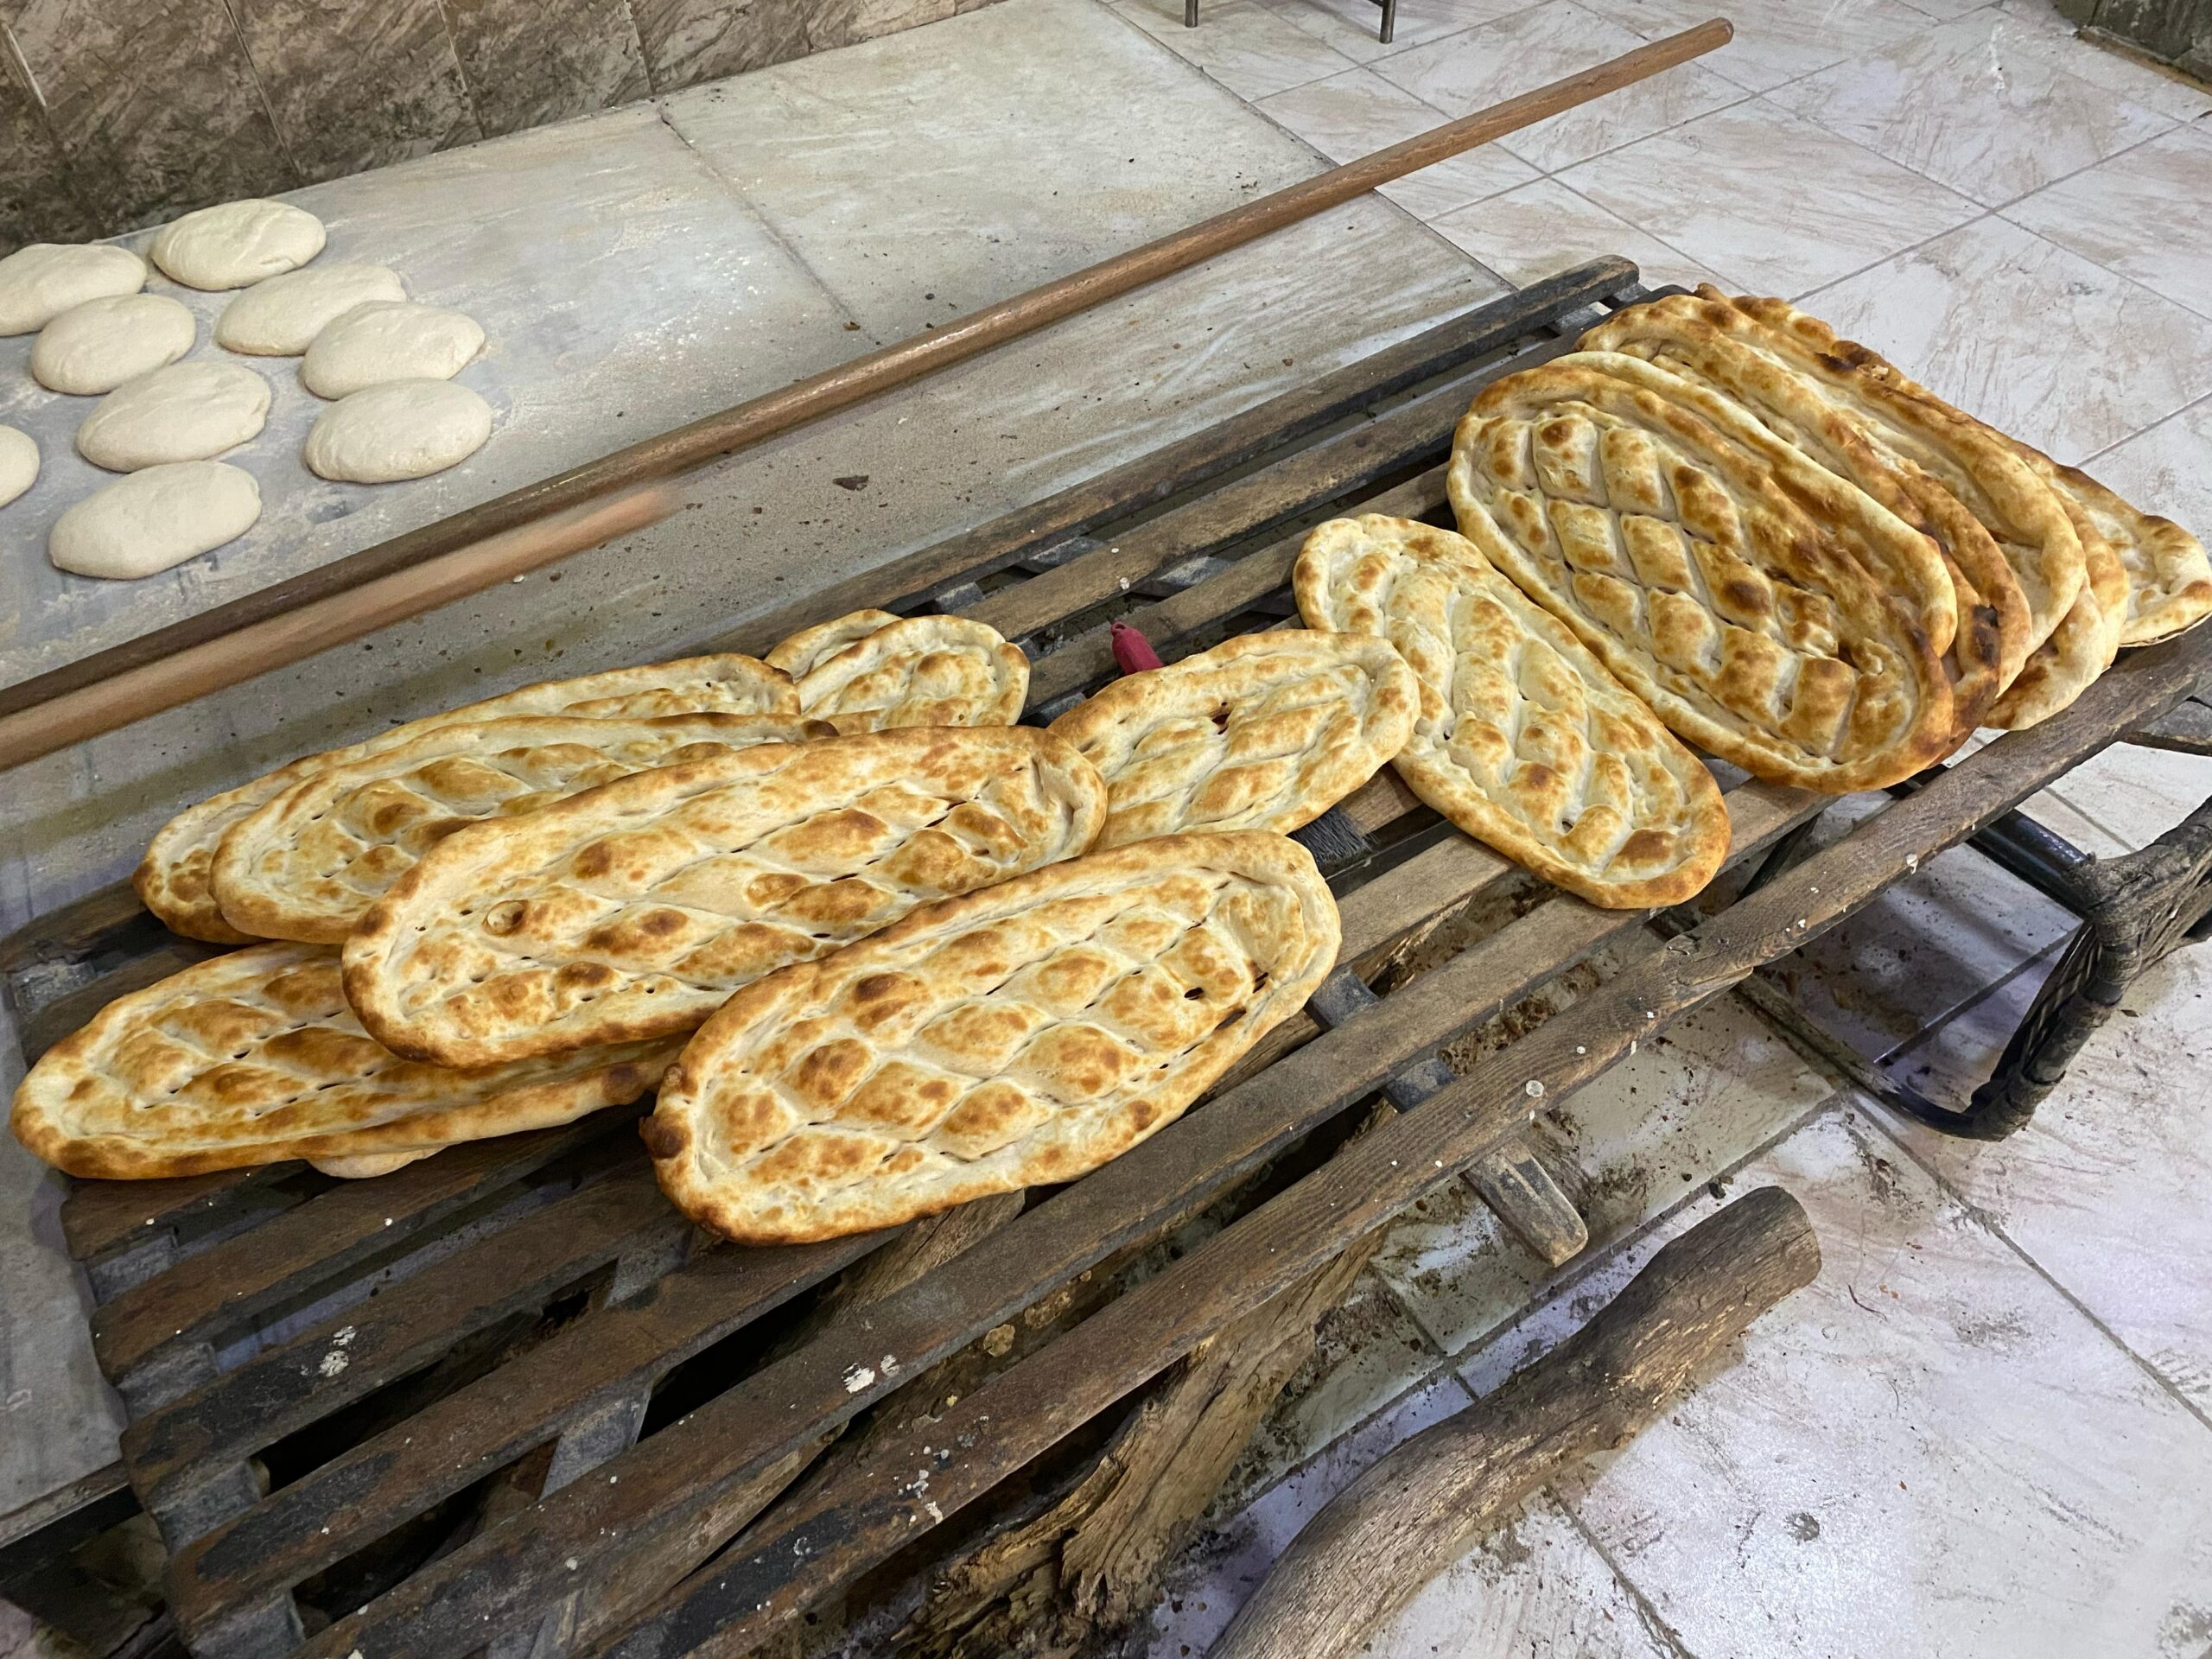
{"points": [[873, 671], [174, 878], [1677, 558], [1026, 1033], [1266, 731], [308, 864], [1524, 740], [634, 909], [253, 1058]]}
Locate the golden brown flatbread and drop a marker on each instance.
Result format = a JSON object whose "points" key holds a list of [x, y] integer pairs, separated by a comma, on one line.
{"points": [[1990, 640], [1690, 566], [253, 1058], [308, 864], [1026, 1033], [1267, 731], [173, 879], [1524, 740], [634, 909], [872, 671]]}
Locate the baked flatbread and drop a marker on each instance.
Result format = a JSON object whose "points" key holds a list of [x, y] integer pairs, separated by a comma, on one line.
{"points": [[2168, 577], [1267, 731], [634, 909], [1989, 639], [253, 1058], [1524, 740], [1026, 1033], [173, 879], [307, 865], [1689, 565], [872, 671]]}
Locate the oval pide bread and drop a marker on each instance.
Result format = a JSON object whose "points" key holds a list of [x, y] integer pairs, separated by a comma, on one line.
{"points": [[1679, 559], [1524, 740], [1025, 1033], [253, 1058], [173, 879], [308, 864], [634, 909], [1266, 731], [872, 671], [2022, 516]]}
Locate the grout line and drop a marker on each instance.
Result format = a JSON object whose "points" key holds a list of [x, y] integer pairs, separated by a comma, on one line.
{"points": [[2197, 403], [760, 217], [1878, 1117], [1654, 1622]]}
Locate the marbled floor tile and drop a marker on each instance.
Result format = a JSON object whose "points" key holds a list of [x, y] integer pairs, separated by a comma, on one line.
{"points": [[2162, 469], [1948, 1063], [2122, 214], [1350, 26], [2027, 336], [353, 87], [1696, 1100], [1731, 190], [1241, 44], [2135, 795], [2056, 39], [1542, 228], [1204, 1592], [1463, 72], [689, 41], [529, 61], [1927, 1450], [1775, 39], [1976, 105], [1026, 140], [153, 104], [1352, 114]]}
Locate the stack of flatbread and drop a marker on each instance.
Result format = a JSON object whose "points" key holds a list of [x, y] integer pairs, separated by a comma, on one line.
{"points": [[1805, 563], [902, 953]]}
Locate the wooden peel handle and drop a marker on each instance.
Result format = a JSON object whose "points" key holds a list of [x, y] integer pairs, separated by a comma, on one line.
{"points": [[526, 528]]}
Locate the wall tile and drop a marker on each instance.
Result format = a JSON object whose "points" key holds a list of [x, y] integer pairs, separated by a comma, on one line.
{"points": [[353, 86], [687, 41], [840, 22], [153, 104], [531, 61], [37, 204]]}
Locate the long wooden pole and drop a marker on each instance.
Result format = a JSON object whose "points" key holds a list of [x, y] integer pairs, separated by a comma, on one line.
{"points": [[539, 523]]}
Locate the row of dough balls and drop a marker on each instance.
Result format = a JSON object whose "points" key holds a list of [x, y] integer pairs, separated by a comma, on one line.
{"points": [[386, 361]]}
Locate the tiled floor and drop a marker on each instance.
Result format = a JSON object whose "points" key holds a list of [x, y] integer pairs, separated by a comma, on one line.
{"points": [[1986, 1430]]}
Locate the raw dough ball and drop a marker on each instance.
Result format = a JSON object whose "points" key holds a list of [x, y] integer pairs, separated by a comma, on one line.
{"points": [[39, 283], [18, 463], [403, 429], [281, 316], [96, 347], [153, 520], [389, 340], [185, 412], [237, 242]]}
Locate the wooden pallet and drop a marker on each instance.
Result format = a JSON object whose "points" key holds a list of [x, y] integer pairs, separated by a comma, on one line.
{"points": [[505, 1398]]}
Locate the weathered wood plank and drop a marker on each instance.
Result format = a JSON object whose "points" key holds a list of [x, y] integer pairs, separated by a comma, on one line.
{"points": [[224, 1289], [734, 1437], [930, 1473]]}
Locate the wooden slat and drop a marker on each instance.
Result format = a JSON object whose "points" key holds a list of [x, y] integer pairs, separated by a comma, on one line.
{"points": [[733, 1438], [224, 1289], [282, 1390], [362, 1495], [870, 1510], [1090, 656]]}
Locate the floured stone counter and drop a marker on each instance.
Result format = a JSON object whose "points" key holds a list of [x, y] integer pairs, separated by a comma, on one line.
{"points": [[638, 268]]}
